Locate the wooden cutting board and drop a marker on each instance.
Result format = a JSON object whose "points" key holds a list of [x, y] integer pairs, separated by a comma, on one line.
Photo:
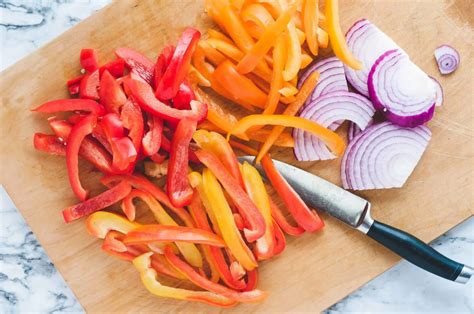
{"points": [[315, 270]]}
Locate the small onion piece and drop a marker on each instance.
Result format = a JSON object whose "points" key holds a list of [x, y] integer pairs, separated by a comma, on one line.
{"points": [[367, 42], [353, 130], [326, 110], [383, 156], [447, 58], [439, 92], [401, 90]]}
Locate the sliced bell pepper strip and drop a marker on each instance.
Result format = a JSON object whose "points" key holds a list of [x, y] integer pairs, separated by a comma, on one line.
{"points": [[196, 77], [279, 57], [265, 42], [284, 224], [256, 190], [219, 89], [207, 51], [115, 67], [73, 85], [307, 219], [89, 150], [158, 158], [144, 96], [100, 223], [253, 218], [132, 118], [246, 149], [218, 206], [305, 60], [272, 6], [99, 134], [183, 97], [310, 22], [89, 87], [336, 36], [149, 279], [78, 133], [63, 105], [201, 281], [217, 144], [110, 93], [142, 183], [323, 38], [218, 35], [257, 17], [252, 280], [237, 271], [151, 141], [179, 65], [177, 185], [280, 241], [99, 202], [162, 63], [49, 144], [189, 250], [199, 62], [89, 60], [293, 61], [138, 62]]}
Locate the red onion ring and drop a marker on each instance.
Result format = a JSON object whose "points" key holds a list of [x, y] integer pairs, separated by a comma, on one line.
{"points": [[447, 58], [383, 156], [325, 110], [401, 90], [353, 130], [439, 92], [367, 43]]}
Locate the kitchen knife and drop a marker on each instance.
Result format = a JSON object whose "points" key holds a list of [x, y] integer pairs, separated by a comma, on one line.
{"points": [[355, 211]]}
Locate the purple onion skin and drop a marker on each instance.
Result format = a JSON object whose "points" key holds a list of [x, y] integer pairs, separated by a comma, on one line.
{"points": [[405, 121]]}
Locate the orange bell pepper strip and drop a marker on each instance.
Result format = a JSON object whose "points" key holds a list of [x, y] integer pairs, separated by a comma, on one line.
{"points": [[323, 38], [199, 62], [256, 189], [279, 57], [305, 60], [301, 36], [99, 224], [211, 53], [293, 62], [310, 23], [149, 279], [288, 90], [218, 35], [221, 90], [272, 6], [244, 148], [336, 36], [237, 4], [266, 41], [253, 218], [256, 18], [196, 77], [201, 281], [239, 86], [189, 250], [218, 206]]}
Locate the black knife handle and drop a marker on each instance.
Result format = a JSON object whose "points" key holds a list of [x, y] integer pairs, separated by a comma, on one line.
{"points": [[417, 252]]}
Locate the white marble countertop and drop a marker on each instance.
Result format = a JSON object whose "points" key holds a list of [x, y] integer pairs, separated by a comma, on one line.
{"points": [[30, 283]]}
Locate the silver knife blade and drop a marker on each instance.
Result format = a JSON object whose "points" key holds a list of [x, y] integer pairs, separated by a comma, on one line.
{"points": [[321, 194]]}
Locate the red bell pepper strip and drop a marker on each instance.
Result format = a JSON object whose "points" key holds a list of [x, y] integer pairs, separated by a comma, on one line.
{"points": [[89, 86], [99, 134], [137, 62], [280, 241], [79, 131], [63, 105], [142, 183], [99, 202], [158, 158], [252, 280], [162, 63], [183, 97], [203, 282], [111, 94], [166, 145], [49, 144], [89, 150], [307, 219], [177, 184], [89, 60], [179, 65], [283, 223], [132, 118], [115, 67], [247, 209], [161, 233], [73, 85], [151, 141], [144, 96]]}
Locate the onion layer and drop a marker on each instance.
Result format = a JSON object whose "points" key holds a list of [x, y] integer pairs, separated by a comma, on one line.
{"points": [[447, 58], [353, 130], [439, 92], [383, 156], [325, 110], [401, 90]]}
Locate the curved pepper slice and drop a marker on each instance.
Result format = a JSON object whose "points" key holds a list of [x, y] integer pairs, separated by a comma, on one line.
{"points": [[280, 241], [144, 96], [110, 93], [100, 223], [306, 218], [148, 276], [201, 281], [89, 60], [49, 144], [101, 201], [284, 224], [253, 218], [178, 67], [162, 63], [132, 119], [115, 67], [279, 56], [183, 97], [89, 86], [137, 62], [151, 141], [73, 85], [310, 22], [64, 105]]}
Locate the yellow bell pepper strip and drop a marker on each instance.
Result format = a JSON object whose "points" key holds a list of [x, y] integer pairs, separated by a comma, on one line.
{"points": [[266, 41], [149, 279], [214, 56], [256, 18], [323, 38], [338, 41], [99, 224], [310, 23], [306, 218], [216, 144], [223, 216], [279, 57], [218, 35], [284, 224], [280, 241], [256, 190], [239, 86], [254, 220], [305, 60], [196, 77], [189, 250], [201, 281], [289, 90], [291, 110], [301, 36]]}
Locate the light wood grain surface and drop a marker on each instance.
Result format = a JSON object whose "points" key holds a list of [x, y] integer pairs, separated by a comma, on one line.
{"points": [[315, 270]]}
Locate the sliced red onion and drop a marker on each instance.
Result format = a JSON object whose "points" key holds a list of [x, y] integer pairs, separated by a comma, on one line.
{"points": [[325, 110], [331, 78], [439, 92], [447, 58], [367, 43], [383, 156], [353, 130], [401, 90]]}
